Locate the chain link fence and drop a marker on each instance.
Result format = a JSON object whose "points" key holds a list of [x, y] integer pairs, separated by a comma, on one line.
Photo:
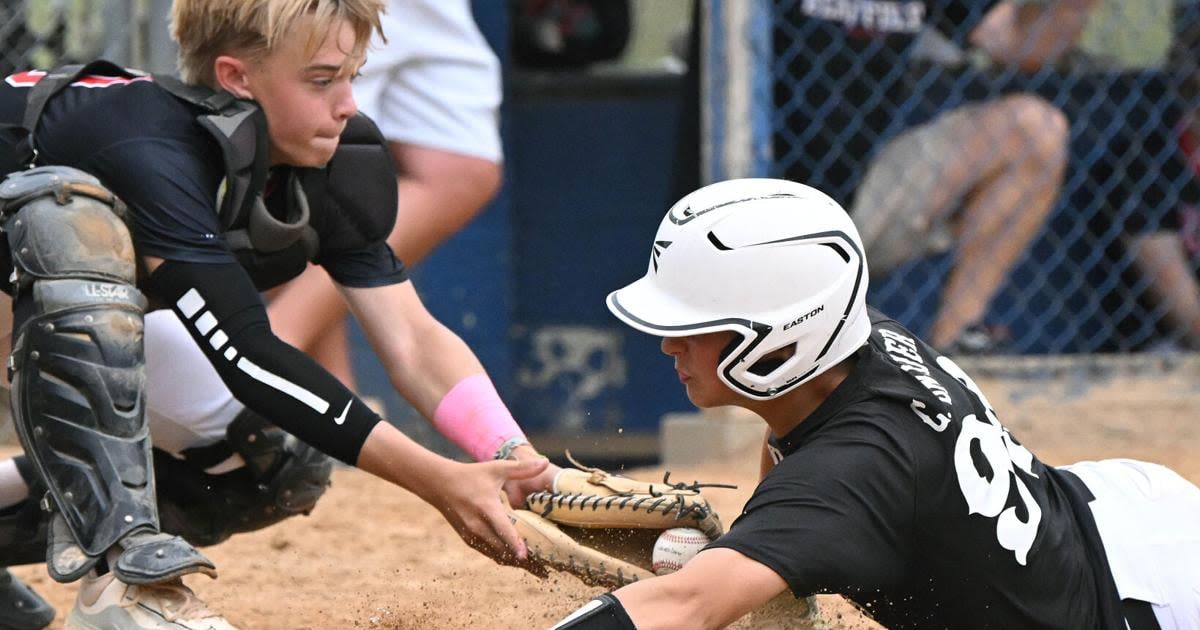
{"points": [[1023, 172], [1025, 179], [47, 33]]}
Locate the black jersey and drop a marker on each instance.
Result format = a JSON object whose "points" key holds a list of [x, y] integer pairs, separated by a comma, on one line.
{"points": [[145, 145], [903, 492]]}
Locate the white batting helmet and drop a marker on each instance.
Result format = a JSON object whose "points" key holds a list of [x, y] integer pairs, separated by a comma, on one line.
{"points": [[778, 262]]}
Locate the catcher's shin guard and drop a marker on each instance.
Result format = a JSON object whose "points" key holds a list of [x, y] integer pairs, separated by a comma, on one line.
{"points": [[77, 371]]}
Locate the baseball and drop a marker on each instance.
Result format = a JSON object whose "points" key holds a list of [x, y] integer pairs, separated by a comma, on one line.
{"points": [[675, 547]]}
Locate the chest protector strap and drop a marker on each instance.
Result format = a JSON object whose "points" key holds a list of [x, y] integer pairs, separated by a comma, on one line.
{"points": [[240, 129], [47, 88]]}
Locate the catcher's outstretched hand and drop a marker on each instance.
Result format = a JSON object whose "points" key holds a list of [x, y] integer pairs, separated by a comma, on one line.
{"points": [[517, 490], [472, 501]]}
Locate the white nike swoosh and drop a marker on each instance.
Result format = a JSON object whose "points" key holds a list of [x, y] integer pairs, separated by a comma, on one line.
{"points": [[342, 418]]}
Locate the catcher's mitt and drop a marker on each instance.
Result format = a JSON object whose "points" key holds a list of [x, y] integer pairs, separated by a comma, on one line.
{"points": [[602, 527]]}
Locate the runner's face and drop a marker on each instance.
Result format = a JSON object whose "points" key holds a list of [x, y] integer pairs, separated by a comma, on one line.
{"points": [[696, 359], [307, 99]]}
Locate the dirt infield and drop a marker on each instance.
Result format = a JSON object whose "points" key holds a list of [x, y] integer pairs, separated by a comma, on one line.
{"points": [[371, 556]]}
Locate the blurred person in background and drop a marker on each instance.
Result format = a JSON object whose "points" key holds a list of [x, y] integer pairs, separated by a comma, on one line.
{"points": [[1123, 90], [1187, 51], [978, 179]]}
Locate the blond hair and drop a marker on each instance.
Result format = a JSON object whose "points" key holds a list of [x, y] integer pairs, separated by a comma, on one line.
{"points": [[206, 29]]}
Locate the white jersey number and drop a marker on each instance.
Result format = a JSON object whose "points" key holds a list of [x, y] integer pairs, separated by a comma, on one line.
{"points": [[987, 491]]}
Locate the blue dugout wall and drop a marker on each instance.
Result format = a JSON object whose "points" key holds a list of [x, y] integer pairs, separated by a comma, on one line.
{"points": [[589, 164]]}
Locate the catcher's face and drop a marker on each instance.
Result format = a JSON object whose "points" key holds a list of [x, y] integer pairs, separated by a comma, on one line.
{"points": [[696, 359], [306, 97]]}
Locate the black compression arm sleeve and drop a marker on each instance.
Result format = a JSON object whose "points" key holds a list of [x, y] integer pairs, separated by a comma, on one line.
{"points": [[225, 315]]}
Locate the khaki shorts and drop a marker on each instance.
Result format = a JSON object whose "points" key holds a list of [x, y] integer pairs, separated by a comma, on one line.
{"points": [[436, 83], [892, 207]]}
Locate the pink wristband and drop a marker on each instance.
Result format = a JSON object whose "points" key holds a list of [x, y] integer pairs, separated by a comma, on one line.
{"points": [[473, 417]]}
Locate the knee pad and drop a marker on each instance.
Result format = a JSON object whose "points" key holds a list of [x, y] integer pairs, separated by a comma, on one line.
{"points": [[291, 475], [282, 477], [63, 224], [77, 365]]}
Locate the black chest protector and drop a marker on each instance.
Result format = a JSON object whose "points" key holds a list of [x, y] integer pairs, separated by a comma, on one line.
{"points": [[273, 239]]}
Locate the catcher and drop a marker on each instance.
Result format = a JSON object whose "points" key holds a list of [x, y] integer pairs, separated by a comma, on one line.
{"points": [[887, 476], [128, 193]]}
